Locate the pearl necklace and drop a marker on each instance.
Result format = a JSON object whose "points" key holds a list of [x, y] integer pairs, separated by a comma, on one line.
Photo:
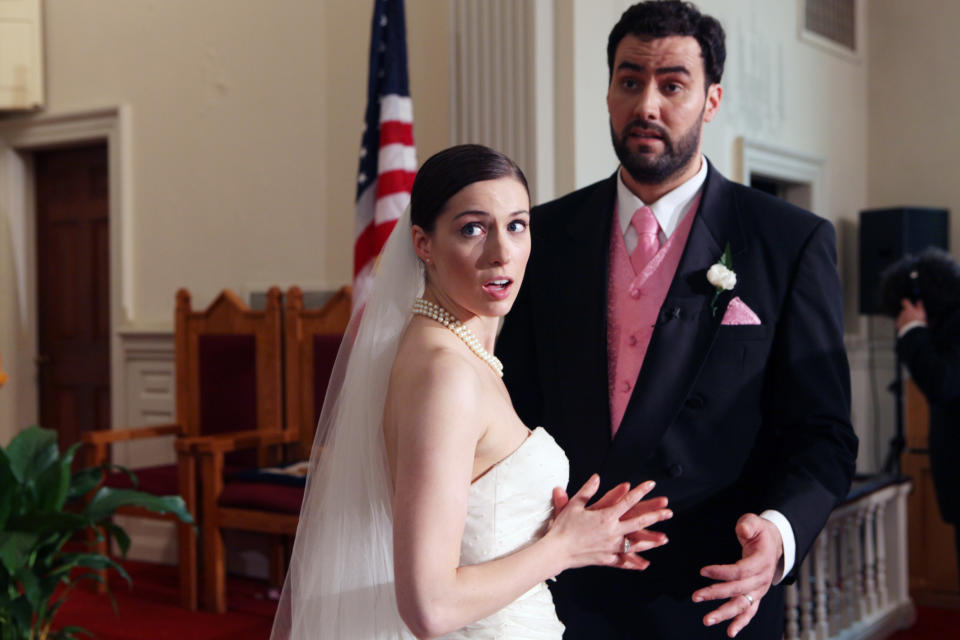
{"points": [[436, 312]]}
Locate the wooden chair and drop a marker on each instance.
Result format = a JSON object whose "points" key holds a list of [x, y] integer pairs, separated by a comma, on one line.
{"points": [[228, 379], [312, 338]]}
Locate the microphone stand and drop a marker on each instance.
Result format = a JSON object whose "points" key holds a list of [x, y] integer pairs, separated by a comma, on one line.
{"points": [[897, 442]]}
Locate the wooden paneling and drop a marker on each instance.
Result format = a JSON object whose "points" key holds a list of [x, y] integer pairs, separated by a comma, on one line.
{"points": [[933, 558]]}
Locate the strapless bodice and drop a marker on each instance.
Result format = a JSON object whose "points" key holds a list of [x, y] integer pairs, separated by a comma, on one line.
{"points": [[509, 507]]}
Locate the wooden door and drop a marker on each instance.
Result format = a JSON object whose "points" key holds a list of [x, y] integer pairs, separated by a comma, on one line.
{"points": [[932, 552], [73, 290]]}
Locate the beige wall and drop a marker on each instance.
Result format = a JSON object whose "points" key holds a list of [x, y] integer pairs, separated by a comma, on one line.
{"points": [[246, 119], [915, 106], [246, 122]]}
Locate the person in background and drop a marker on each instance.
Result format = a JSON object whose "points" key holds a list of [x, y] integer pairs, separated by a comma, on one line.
{"points": [[923, 293]]}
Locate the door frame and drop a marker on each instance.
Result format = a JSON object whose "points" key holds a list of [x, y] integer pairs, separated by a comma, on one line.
{"points": [[18, 139]]}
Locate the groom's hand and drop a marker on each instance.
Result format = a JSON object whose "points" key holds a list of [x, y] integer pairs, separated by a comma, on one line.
{"points": [[743, 584]]}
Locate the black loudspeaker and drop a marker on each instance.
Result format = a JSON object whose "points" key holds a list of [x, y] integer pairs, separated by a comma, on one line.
{"points": [[886, 235]]}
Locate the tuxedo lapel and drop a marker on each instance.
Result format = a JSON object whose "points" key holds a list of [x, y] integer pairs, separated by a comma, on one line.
{"points": [[575, 303], [686, 325]]}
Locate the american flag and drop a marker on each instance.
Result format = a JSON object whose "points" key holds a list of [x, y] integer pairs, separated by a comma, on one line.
{"points": [[388, 159]]}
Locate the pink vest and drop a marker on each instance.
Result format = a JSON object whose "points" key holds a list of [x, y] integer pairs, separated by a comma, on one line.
{"points": [[633, 304]]}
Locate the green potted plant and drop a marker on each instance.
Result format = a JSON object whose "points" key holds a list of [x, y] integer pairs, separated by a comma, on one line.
{"points": [[43, 505]]}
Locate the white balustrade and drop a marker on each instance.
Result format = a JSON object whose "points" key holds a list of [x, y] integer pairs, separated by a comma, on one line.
{"points": [[853, 583]]}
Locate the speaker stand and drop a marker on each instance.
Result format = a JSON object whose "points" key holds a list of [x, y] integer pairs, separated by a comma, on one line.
{"points": [[897, 442]]}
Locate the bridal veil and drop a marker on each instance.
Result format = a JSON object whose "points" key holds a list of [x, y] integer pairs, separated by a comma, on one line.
{"points": [[340, 580]]}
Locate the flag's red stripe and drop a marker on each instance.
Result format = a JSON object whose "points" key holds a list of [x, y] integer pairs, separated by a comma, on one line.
{"points": [[395, 181], [370, 242], [396, 132]]}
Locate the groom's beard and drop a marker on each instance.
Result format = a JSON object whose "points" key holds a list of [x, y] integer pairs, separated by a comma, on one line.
{"points": [[645, 168]]}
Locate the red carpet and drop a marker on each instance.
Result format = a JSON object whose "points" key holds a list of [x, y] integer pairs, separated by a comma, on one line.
{"points": [[932, 624], [150, 610]]}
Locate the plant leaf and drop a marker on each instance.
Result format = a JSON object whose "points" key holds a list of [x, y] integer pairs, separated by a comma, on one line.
{"points": [[83, 482], [43, 524], [108, 500], [22, 615], [54, 483], [96, 561], [31, 587], [8, 489], [123, 540], [15, 548], [32, 451], [107, 467]]}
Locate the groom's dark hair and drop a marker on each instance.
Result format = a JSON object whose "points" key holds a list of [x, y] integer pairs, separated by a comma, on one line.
{"points": [[664, 18], [448, 171]]}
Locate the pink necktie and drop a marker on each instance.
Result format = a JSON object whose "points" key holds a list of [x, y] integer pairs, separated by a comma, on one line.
{"points": [[648, 239]]}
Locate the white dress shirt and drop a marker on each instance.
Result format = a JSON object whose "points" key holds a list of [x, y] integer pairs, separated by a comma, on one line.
{"points": [[669, 211]]}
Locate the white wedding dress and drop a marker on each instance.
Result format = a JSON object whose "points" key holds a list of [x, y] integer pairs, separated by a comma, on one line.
{"points": [[508, 508], [340, 581]]}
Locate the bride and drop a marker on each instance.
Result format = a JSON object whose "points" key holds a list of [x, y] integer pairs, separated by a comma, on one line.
{"points": [[430, 508]]}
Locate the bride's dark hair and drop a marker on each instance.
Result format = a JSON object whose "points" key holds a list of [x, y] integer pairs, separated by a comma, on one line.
{"points": [[447, 172]]}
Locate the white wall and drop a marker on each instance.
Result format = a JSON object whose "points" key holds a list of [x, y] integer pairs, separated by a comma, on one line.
{"points": [[915, 106], [246, 119], [914, 130]]}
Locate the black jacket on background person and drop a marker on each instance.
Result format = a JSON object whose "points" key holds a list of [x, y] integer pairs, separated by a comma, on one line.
{"points": [[932, 356]]}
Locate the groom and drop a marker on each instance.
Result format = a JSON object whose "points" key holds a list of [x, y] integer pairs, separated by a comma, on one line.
{"points": [[733, 397]]}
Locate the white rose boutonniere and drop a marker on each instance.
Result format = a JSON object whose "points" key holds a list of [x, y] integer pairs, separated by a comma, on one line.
{"points": [[722, 276]]}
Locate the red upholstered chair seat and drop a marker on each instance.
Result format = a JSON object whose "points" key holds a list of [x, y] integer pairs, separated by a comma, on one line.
{"points": [[160, 480], [261, 496]]}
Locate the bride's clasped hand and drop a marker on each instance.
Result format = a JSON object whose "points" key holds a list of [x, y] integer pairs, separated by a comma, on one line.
{"points": [[612, 531]]}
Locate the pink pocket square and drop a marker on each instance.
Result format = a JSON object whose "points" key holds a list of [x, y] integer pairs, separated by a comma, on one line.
{"points": [[739, 313]]}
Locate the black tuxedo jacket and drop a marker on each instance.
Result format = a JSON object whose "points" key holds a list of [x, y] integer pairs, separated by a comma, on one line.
{"points": [[726, 419]]}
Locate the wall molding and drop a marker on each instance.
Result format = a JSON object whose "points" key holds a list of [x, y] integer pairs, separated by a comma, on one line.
{"points": [[782, 163], [146, 387], [146, 384]]}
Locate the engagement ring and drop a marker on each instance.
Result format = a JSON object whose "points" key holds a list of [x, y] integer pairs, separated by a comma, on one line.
{"points": [[626, 545], [748, 597]]}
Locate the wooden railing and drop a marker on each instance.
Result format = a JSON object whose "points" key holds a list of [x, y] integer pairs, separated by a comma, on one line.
{"points": [[853, 583]]}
